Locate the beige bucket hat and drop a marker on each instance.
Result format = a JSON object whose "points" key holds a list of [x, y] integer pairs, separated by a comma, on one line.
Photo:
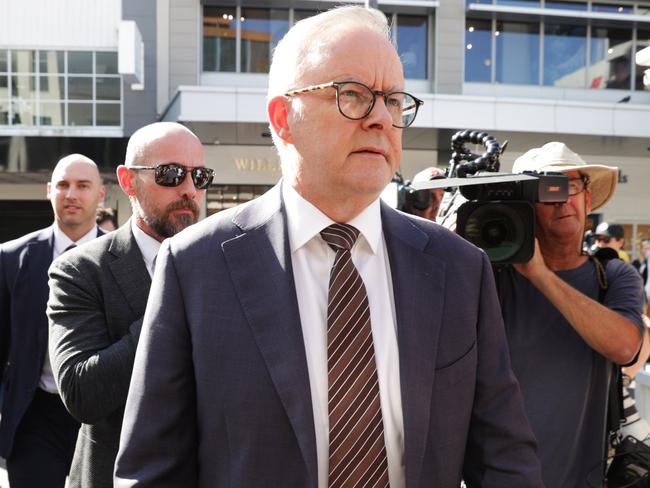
{"points": [[556, 156]]}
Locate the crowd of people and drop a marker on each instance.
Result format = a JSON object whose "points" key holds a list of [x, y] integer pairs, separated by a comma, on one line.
{"points": [[313, 337]]}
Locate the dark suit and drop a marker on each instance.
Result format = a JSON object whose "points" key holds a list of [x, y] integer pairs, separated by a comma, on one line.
{"points": [[97, 300], [23, 345], [220, 390]]}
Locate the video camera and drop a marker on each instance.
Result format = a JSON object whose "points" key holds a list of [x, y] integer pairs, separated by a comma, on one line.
{"points": [[497, 212]]}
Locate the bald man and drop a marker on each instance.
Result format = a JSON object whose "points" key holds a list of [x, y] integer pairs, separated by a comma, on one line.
{"points": [[37, 435], [99, 293]]}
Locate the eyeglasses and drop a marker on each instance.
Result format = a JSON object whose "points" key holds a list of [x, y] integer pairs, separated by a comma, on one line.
{"points": [[356, 100], [173, 174], [604, 239], [578, 185]]}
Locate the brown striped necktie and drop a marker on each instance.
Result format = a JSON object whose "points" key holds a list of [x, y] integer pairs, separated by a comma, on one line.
{"points": [[357, 452]]}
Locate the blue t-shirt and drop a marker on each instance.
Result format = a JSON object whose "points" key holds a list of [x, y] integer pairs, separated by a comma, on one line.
{"points": [[565, 382]]}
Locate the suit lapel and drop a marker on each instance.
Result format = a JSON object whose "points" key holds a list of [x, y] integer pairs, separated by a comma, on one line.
{"points": [[259, 261], [418, 289], [128, 269], [33, 281]]}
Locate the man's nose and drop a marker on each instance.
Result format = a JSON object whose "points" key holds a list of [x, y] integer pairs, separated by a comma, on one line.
{"points": [[379, 116], [187, 188]]}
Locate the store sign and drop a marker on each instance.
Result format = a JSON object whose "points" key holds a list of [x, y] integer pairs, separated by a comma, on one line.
{"points": [[261, 165]]}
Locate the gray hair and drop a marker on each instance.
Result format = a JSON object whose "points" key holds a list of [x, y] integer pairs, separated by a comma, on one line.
{"points": [[307, 42], [304, 46]]}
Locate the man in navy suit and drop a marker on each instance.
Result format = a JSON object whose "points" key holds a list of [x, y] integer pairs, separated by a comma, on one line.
{"points": [[233, 377], [37, 435]]}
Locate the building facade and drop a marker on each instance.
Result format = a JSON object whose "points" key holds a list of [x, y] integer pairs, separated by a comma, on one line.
{"points": [[527, 71]]}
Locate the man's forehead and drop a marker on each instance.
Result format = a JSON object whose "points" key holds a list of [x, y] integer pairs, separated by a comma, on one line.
{"points": [[346, 57], [75, 171]]}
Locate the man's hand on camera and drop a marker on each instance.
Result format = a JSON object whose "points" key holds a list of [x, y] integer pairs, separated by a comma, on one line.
{"points": [[536, 268]]}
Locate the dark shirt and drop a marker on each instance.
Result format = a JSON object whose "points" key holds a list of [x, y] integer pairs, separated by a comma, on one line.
{"points": [[564, 381]]}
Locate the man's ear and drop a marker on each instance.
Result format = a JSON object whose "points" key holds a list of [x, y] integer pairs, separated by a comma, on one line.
{"points": [[49, 189], [124, 177], [278, 116]]}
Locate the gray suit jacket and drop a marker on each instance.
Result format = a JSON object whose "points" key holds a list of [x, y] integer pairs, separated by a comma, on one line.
{"points": [[220, 391], [98, 294]]}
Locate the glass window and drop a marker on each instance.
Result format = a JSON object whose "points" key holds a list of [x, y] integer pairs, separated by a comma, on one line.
{"points": [[23, 112], [23, 62], [261, 30], [4, 113], [4, 87], [80, 88], [566, 5], [565, 55], [219, 34], [106, 63], [643, 40], [51, 113], [108, 114], [520, 3], [23, 86], [612, 8], [107, 88], [80, 62], [51, 62], [3, 61], [610, 58], [303, 14], [478, 50], [412, 45], [80, 114], [517, 53], [51, 87]]}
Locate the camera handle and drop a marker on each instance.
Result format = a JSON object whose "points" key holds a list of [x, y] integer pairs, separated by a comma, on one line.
{"points": [[464, 162]]}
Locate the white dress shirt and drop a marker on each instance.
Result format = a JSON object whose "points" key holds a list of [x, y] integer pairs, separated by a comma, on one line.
{"points": [[61, 243], [312, 260], [149, 246]]}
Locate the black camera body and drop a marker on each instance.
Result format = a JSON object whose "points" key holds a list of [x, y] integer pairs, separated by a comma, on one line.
{"points": [[499, 217]]}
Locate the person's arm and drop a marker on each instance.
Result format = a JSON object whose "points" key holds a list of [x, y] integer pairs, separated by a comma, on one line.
{"points": [[91, 371], [158, 443], [606, 331], [501, 448], [644, 353]]}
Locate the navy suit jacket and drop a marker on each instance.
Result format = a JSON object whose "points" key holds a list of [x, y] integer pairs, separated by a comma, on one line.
{"points": [[23, 325], [220, 390]]}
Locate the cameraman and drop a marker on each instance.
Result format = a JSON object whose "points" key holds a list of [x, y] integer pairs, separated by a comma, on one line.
{"points": [[562, 340], [425, 203], [611, 236]]}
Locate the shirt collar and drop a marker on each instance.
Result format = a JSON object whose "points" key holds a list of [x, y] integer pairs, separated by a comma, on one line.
{"points": [[63, 242], [306, 221], [148, 245]]}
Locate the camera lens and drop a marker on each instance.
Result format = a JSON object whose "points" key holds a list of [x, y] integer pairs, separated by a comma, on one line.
{"points": [[496, 228]]}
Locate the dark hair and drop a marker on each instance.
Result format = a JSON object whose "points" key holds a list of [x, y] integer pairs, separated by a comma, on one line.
{"points": [[104, 214]]}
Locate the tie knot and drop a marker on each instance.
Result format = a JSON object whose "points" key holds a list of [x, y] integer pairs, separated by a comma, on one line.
{"points": [[340, 236]]}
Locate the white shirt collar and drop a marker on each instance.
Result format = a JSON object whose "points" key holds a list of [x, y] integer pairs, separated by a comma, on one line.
{"points": [[306, 221], [62, 241], [148, 245]]}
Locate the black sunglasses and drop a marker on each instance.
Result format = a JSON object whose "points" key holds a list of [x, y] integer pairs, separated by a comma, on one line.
{"points": [[173, 174]]}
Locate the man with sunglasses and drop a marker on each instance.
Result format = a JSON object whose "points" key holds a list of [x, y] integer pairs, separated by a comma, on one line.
{"points": [[37, 434], [564, 336], [315, 337], [611, 236], [99, 292]]}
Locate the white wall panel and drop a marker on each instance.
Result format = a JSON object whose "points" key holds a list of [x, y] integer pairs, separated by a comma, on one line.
{"points": [[59, 24]]}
